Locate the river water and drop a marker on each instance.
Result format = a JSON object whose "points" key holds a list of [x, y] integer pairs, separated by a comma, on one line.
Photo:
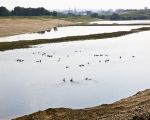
{"points": [[73, 74], [68, 31]]}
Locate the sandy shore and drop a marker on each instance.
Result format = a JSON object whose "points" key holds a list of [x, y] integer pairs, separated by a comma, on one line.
{"points": [[136, 107], [18, 26]]}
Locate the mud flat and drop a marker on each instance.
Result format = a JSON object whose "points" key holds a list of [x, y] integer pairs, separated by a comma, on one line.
{"points": [[136, 107]]}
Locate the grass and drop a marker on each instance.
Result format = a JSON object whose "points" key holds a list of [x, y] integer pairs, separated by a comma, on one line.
{"points": [[27, 44], [67, 18], [83, 19]]}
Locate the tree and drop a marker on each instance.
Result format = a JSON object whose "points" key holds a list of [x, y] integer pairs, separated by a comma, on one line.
{"points": [[115, 16], [4, 11], [21, 11], [95, 15], [54, 13]]}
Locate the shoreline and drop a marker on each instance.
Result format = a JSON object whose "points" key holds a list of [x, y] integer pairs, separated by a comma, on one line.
{"points": [[17, 26], [29, 43], [136, 107]]}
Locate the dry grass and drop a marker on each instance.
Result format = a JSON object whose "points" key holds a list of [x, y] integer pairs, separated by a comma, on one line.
{"points": [[10, 26]]}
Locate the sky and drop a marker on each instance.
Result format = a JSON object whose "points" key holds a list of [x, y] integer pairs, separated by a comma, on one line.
{"points": [[79, 4]]}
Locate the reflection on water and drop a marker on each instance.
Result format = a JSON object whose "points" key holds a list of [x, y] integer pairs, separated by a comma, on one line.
{"points": [[73, 74], [67, 31]]}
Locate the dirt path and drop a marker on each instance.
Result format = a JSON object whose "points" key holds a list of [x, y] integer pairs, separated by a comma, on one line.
{"points": [[18, 26], [136, 107]]}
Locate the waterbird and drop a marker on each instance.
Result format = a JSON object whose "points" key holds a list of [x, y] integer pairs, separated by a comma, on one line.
{"points": [[64, 80], [55, 28], [67, 67], [39, 61], [107, 60], [71, 80], [81, 65], [96, 55], [88, 78], [43, 54], [20, 60], [49, 56]]}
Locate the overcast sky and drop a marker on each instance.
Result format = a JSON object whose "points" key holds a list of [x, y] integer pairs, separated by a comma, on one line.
{"points": [[79, 4]]}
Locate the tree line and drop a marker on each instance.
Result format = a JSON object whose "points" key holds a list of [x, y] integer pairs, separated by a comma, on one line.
{"points": [[125, 15], [21, 11], [142, 14]]}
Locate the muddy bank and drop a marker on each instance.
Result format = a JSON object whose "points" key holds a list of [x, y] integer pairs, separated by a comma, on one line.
{"points": [[136, 107], [10, 26]]}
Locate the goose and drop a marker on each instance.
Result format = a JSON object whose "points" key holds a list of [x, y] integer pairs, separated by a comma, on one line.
{"points": [[71, 80], [64, 80], [67, 67]]}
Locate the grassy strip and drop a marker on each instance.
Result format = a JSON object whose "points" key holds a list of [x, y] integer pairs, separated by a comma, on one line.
{"points": [[26, 44], [67, 18]]}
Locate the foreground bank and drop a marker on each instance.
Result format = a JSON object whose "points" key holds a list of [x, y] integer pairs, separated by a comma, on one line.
{"points": [[136, 107]]}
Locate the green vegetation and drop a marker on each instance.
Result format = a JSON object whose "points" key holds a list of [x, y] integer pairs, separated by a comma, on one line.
{"points": [[84, 19], [27, 44], [120, 14], [21, 11], [135, 14], [42, 14], [4, 11], [143, 14]]}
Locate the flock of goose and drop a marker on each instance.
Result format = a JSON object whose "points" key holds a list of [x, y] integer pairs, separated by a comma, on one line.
{"points": [[44, 54], [49, 30]]}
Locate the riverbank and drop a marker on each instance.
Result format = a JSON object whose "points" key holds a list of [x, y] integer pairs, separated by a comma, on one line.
{"points": [[28, 43], [14, 26], [136, 107]]}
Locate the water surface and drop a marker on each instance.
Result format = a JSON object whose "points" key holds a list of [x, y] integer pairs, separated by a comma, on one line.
{"points": [[68, 31], [29, 86]]}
